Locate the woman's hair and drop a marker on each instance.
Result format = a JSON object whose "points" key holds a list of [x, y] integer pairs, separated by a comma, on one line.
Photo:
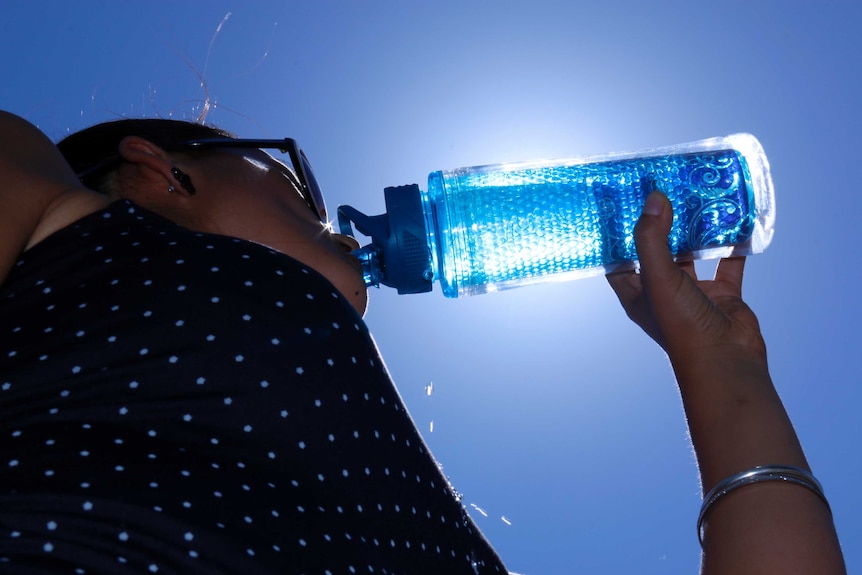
{"points": [[99, 144]]}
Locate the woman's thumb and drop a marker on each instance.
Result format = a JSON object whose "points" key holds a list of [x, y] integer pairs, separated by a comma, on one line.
{"points": [[651, 231]]}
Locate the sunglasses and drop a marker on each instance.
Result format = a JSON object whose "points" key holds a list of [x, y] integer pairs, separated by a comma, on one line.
{"points": [[309, 189]]}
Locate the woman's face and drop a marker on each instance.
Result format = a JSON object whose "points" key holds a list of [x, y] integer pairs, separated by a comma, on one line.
{"points": [[247, 194]]}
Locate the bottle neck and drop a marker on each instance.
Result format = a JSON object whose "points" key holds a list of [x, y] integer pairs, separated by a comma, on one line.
{"points": [[369, 257]]}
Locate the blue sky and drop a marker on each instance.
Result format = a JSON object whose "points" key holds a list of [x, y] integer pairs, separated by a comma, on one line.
{"points": [[549, 408]]}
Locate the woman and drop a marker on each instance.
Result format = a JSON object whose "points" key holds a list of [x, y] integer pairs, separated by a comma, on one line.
{"points": [[189, 386]]}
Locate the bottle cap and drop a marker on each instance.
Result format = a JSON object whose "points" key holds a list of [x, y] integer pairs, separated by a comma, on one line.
{"points": [[398, 255]]}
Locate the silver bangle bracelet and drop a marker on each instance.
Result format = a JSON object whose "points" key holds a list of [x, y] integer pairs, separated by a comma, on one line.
{"points": [[786, 473]]}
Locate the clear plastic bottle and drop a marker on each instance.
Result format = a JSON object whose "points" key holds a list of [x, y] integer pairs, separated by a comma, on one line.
{"points": [[488, 228]]}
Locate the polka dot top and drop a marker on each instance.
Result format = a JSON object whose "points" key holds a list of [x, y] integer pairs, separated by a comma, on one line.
{"points": [[177, 402]]}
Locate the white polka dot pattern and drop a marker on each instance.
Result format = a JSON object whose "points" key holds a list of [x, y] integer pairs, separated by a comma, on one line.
{"points": [[173, 402]]}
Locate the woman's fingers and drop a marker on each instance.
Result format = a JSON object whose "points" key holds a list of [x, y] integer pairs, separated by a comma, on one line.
{"points": [[729, 273]]}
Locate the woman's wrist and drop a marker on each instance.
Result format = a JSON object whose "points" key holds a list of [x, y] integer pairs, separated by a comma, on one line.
{"points": [[735, 416], [701, 364]]}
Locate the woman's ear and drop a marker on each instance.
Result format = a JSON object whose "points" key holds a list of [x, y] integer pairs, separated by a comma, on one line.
{"points": [[137, 150], [156, 164]]}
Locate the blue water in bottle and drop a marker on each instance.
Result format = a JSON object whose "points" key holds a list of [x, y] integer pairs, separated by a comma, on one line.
{"points": [[495, 227]]}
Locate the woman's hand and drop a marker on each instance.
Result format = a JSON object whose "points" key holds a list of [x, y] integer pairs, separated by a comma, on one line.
{"points": [[689, 319]]}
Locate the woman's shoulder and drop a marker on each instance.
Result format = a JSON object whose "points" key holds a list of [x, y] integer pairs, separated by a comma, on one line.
{"points": [[39, 192], [65, 209]]}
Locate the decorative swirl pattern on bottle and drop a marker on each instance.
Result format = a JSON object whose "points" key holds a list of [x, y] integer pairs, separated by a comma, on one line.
{"points": [[712, 204], [497, 228]]}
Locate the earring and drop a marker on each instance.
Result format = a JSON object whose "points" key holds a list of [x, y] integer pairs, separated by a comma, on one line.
{"points": [[184, 180], [172, 190]]}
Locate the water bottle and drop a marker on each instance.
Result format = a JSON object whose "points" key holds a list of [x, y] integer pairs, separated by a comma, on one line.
{"points": [[487, 228]]}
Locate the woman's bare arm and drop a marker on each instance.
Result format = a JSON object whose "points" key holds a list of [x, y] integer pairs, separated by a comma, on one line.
{"points": [[736, 419]]}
